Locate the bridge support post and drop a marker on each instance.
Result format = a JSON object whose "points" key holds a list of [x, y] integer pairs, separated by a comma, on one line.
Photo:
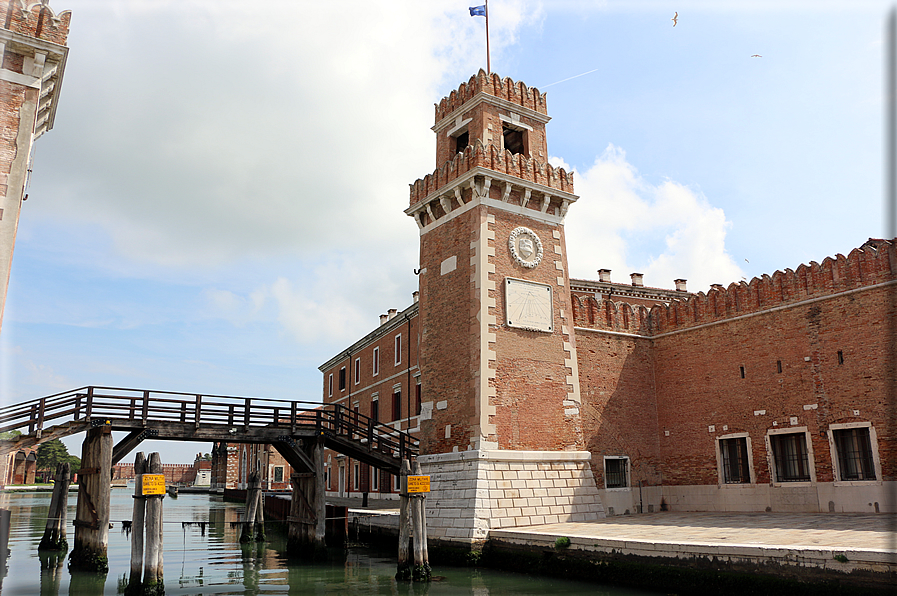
{"points": [[308, 509], [92, 514], [54, 535], [320, 500]]}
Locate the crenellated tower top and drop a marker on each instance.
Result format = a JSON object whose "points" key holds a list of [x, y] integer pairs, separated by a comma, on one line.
{"points": [[36, 20], [490, 140]]}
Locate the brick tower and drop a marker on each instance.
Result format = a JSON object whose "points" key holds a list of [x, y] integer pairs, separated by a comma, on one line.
{"points": [[498, 354], [32, 46]]}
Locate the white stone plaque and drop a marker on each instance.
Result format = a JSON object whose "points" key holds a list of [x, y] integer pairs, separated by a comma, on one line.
{"points": [[528, 305]]}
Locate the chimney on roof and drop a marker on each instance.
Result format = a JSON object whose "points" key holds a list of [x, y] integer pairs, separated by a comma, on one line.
{"points": [[604, 275], [415, 295], [383, 318], [680, 285], [392, 313], [637, 279]]}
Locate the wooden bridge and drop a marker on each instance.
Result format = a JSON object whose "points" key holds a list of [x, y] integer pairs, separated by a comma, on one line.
{"points": [[166, 415], [300, 431]]}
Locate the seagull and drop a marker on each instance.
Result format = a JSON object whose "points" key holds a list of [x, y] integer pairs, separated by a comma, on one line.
{"points": [[752, 56], [675, 18], [746, 261]]}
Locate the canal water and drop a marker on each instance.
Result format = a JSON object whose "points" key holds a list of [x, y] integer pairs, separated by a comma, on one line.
{"points": [[205, 557]]}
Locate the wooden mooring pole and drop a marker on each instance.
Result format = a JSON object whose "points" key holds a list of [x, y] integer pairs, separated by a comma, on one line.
{"points": [[138, 520], [92, 514], [54, 535], [421, 571], [253, 505], [404, 564], [153, 569]]}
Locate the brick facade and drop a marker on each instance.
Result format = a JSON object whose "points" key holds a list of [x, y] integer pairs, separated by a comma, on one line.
{"points": [[764, 396]]}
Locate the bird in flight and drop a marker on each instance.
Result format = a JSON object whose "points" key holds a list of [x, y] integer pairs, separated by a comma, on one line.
{"points": [[675, 18], [752, 55]]}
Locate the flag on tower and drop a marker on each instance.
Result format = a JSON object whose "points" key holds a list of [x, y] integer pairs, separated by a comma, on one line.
{"points": [[478, 11]]}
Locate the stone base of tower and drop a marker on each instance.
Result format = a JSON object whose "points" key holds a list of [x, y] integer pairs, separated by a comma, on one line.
{"points": [[472, 492]]}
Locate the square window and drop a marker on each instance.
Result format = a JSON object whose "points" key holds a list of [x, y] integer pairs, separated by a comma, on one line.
{"points": [[734, 452], [376, 363], [790, 458], [854, 452], [616, 472]]}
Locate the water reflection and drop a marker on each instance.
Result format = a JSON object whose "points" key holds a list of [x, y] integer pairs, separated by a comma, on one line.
{"points": [[205, 557]]}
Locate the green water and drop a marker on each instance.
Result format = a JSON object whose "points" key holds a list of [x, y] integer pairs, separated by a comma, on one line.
{"points": [[210, 560]]}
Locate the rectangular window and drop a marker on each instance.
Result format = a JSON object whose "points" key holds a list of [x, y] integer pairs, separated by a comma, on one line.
{"points": [[375, 479], [375, 410], [418, 399], [398, 349], [397, 483], [330, 386], [376, 363], [854, 449], [397, 405], [356, 477], [616, 472], [735, 460], [342, 379], [278, 473], [357, 370], [789, 452]]}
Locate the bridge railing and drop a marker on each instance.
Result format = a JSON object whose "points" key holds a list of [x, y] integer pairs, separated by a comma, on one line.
{"points": [[143, 406]]}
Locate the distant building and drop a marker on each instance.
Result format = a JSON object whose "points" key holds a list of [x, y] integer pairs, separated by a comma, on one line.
{"points": [[32, 44], [539, 398]]}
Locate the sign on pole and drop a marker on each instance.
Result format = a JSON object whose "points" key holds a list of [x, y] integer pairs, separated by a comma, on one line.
{"points": [[153, 484], [418, 484]]}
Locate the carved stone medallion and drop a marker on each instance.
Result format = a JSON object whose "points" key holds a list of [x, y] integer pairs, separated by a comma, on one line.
{"points": [[526, 248]]}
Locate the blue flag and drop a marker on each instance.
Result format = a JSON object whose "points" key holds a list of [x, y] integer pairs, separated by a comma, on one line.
{"points": [[478, 11]]}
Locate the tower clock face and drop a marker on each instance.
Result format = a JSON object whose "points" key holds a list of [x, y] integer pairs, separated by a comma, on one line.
{"points": [[526, 248]]}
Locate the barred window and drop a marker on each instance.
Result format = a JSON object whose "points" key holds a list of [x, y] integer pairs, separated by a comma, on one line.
{"points": [[735, 460], [615, 472], [854, 449], [789, 453]]}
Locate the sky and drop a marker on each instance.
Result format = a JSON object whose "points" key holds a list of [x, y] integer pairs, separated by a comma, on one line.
{"points": [[218, 208]]}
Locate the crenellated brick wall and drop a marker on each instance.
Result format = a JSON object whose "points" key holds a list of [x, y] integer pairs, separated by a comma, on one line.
{"points": [[37, 20]]}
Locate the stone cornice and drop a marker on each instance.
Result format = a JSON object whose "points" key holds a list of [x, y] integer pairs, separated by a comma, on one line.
{"points": [[46, 62], [451, 193]]}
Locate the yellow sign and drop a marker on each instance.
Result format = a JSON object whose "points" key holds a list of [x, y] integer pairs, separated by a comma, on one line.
{"points": [[154, 484], [418, 484]]}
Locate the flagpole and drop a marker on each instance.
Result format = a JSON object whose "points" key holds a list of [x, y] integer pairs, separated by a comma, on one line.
{"points": [[488, 65]]}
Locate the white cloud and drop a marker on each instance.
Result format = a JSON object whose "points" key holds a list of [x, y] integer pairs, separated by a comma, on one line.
{"points": [[625, 223], [239, 129]]}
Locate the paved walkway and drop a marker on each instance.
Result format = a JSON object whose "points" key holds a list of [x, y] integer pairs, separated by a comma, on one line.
{"points": [[859, 532]]}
